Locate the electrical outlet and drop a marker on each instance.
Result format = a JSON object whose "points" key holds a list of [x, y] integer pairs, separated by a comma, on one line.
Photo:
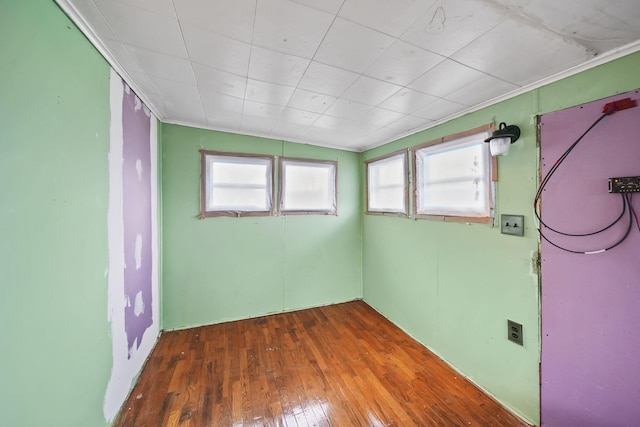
{"points": [[514, 332], [512, 224]]}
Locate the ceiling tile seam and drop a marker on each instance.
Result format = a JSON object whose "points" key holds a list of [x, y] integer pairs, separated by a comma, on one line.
{"points": [[257, 135], [86, 29], [246, 86], [335, 16], [609, 56], [139, 7], [318, 9], [193, 73], [143, 10]]}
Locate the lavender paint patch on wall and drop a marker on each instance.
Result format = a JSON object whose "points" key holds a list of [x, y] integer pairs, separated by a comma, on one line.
{"points": [[133, 309], [136, 183]]}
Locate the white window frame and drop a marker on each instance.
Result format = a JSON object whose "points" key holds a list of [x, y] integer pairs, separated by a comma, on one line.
{"points": [[488, 174], [373, 185], [332, 166], [208, 158]]}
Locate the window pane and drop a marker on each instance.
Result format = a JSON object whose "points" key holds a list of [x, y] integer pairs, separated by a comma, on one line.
{"points": [[237, 184], [454, 178], [454, 163], [308, 186], [386, 184], [459, 197], [234, 172], [390, 199], [231, 199]]}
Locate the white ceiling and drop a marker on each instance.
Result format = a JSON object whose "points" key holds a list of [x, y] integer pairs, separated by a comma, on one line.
{"points": [[349, 74]]}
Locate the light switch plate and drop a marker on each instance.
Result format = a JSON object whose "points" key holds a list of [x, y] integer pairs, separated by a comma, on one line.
{"points": [[512, 224]]}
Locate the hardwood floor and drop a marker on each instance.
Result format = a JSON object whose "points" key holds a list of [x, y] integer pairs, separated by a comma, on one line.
{"points": [[340, 365]]}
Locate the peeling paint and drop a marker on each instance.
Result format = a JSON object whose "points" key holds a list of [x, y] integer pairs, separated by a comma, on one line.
{"points": [[138, 307], [139, 169], [133, 253], [138, 251]]}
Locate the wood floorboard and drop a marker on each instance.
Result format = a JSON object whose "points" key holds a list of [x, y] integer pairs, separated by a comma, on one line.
{"points": [[336, 366]]}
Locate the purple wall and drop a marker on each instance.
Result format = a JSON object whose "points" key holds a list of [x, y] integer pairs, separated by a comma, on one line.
{"points": [[590, 303], [136, 183]]}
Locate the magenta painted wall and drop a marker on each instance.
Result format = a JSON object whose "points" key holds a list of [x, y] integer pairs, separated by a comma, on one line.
{"points": [[590, 303]]}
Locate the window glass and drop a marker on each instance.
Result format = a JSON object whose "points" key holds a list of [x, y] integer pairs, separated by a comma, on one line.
{"points": [[453, 178], [387, 184], [236, 184], [308, 186]]}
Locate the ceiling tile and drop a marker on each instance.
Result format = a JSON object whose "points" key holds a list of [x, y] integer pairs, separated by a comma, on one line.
{"points": [[370, 91], [440, 109], [402, 63], [141, 81], [381, 117], [384, 135], [331, 6], [407, 123], [448, 26], [217, 51], [143, 28], [483, 89], [352, 46], [326, 79], [163, 66], [231, 18], [321, 136], [94, 19], [275, 67], [445, 78], [361, 132], [534, 53], [389, 17], [259, 109], [330, 122], [217, 102], [184, 109], [289, 27], [348, 110], [163, 7], [222, 119], [299, 117], [212, 80], [311, 101], [407, 101], [288, 131], [122, 55], [156, 104], [268, 93], [257, 125], [173, 90]]}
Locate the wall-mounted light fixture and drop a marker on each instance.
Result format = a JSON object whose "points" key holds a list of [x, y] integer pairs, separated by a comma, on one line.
{"points": [[502, 139]]}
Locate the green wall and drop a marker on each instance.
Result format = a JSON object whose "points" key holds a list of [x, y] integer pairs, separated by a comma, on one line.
{"points": [[453, 285], [226, 268], [54, 138]]}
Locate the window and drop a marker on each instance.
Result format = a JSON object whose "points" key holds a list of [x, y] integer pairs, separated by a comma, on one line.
{"points": [[236, 184], [453, 178], [387, 184], [308, 186]]}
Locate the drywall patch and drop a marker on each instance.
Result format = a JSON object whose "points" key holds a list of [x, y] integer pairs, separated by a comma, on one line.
{"points": [[132, 227]]}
